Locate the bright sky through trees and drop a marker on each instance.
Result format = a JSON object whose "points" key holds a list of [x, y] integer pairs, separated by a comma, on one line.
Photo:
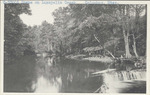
{"points": [[40, 13]]}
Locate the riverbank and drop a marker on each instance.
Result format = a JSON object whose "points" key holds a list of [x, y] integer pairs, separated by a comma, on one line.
{"points": [[98, 59], [138, 62], [82, 57]]}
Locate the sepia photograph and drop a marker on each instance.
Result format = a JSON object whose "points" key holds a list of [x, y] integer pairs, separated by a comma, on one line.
{"points": [[66, 47]]}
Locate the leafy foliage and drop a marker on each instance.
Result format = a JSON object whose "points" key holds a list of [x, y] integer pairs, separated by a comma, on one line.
{"points": [[13, 28], [78, 27]]}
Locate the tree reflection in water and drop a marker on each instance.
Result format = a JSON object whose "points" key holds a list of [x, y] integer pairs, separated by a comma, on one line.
{"points": [[49, 79], [70, 76]]}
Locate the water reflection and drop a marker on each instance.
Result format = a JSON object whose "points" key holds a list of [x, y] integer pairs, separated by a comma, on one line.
{"points": [[67, 76], [52, 74], [49, 78], [71, 76], [46, 86]]}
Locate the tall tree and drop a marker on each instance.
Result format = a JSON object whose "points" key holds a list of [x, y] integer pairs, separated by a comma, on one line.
{"points": [[138, 9], [13, 27]]}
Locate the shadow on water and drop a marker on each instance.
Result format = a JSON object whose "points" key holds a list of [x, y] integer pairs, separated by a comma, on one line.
{"points": [[19, 74], [53, 75]]}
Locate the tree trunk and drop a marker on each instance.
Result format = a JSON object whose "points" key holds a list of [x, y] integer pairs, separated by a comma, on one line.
{"points": [[126, 40], [48, 44], [103, 47], [126, 29], [110, 53], [134, 46], [136, 30]]}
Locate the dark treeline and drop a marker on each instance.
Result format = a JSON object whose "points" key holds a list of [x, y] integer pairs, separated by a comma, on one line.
{"points": [[13, 29], [113, 28]]}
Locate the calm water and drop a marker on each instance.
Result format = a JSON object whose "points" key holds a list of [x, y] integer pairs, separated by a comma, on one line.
{"points": [[71, 76], [67, 76]]}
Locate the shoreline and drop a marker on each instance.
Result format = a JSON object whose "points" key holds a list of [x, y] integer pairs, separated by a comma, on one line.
{"points": [[82, 57], [98, 59]]}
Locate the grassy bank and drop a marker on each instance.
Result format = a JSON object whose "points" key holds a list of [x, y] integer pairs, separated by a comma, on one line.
{"points": [[87, 58], [98, 59]]}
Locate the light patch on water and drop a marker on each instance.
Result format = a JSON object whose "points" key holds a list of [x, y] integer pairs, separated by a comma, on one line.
{"points": [[43, 85]]}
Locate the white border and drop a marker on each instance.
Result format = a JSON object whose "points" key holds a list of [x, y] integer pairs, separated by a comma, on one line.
{"points": [[1, 46], [78, 2]]}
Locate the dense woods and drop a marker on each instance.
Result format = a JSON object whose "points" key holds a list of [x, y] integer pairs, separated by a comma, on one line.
{"points": [[14, 29], [118, 30]]}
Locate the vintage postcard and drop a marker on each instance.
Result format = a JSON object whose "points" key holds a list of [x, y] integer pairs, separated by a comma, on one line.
{"points": [[74, 47]]}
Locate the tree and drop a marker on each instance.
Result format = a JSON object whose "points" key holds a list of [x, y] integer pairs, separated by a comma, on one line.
{"points": [[94, 24], [81, 26], [46, 36], [138, 9], [13, 28]]}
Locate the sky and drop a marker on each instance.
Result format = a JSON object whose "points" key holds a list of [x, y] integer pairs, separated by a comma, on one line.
{"points": [[40, 13]]}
